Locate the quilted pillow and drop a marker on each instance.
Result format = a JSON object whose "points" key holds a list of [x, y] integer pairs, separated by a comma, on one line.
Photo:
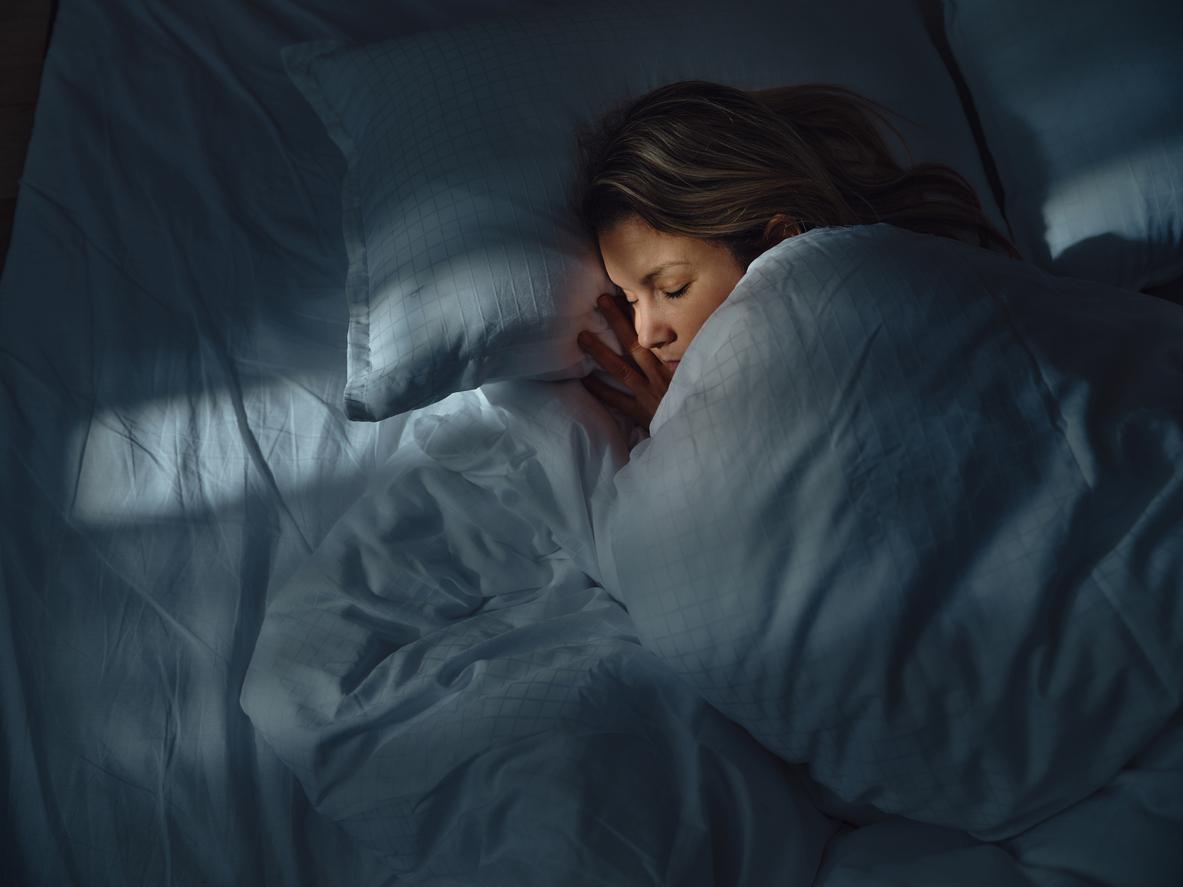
{"points": [[466, 261], [1081, 103]]}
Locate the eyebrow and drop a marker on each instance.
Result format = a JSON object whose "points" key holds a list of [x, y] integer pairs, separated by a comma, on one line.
{"points": [[652, 275]]}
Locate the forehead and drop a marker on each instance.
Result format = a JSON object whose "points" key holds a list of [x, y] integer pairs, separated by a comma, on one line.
{"points": [[632, 249], [634, 237]]}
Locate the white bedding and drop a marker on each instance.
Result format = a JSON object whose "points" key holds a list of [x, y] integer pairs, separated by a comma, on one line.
{"points": [[173, 458], [450, 683], [172, 445], [912, 514], [899, 519]]}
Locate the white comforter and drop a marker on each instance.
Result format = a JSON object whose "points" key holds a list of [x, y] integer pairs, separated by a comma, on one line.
{"points": [[909, 518]]}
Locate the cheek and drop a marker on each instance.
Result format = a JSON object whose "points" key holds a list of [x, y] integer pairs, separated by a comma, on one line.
{"points": [[719, 297], [692, 321]]}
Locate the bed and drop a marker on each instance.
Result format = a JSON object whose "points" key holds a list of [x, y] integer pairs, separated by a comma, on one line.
{"points": [[248, 639]]}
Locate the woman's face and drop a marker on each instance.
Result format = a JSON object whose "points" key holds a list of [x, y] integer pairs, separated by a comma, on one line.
{"points": [[673, 282]]}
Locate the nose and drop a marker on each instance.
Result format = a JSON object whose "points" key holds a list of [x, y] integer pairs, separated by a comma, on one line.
{"points": [[652, 331]]}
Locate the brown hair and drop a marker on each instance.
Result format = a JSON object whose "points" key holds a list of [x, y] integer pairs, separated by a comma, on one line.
{"points": [[714, 162]]}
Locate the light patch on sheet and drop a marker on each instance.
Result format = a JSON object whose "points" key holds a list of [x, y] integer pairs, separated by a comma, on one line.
{"points": [[168, 458]]}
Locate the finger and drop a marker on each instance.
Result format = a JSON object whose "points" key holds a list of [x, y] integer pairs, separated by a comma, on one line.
{"points": [[612, 362], [621, 324], [667, 373], [622, 327], [648, 362], [657, 374], [613, 398]]}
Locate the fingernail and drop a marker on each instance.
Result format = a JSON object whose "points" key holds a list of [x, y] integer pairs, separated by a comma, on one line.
{"points": [[604, 299]]}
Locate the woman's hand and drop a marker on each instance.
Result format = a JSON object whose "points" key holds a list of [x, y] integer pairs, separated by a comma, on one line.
{"points": [[645, 375]]}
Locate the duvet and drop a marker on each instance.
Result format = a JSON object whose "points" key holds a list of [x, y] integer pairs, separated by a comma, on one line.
{"points": [[902, 555], [452, 684], [913, 515]]}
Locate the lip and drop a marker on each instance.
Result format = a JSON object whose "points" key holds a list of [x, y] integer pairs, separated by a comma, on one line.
{"points": [[672, 363]]}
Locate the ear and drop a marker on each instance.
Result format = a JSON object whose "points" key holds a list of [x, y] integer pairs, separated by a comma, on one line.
{"points": [[778, 228]]}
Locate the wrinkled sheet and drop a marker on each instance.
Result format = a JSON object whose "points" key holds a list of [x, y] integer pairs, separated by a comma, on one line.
{"points": [[911, 513], [451, 684], [172, 443], [865, 529]]}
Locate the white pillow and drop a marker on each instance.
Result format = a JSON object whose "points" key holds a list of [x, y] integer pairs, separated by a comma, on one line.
{"points": [[467, 262], [1081, 103]]}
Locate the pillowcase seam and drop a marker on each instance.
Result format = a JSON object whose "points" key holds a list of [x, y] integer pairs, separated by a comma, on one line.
{"points": [[300, 60]]}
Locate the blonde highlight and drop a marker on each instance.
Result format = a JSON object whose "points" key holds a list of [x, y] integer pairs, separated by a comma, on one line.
{"points": [[714, 162]]}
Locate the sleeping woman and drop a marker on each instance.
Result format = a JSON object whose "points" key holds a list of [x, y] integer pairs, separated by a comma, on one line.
{"points": [[911, 515], [684, 187]]}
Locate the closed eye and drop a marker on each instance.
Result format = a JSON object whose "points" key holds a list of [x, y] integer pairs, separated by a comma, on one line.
{"points": [[676, 294]]}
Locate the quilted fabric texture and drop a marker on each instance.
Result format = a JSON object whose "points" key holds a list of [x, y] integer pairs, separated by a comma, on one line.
{"points": [[466, 262], [910, 513], [1082, 107]]}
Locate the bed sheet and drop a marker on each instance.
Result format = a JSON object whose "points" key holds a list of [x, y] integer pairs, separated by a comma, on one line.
{"points": [[172, 335]]}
